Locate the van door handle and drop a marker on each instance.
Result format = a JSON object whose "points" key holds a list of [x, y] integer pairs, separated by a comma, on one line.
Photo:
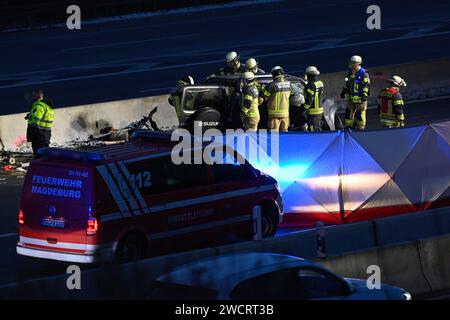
{"points": [[52, 240]]}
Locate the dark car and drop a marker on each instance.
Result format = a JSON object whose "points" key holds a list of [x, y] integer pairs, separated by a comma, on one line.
{"points": [[216, 103], [264, 276]]}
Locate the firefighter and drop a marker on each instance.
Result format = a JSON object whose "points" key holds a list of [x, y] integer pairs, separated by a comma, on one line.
{"points": [[358, 91], [250, 103], [390, 104], [253, 66], [278, 93], [313, 99], [176, 94], [40, 120], [232, 66]]}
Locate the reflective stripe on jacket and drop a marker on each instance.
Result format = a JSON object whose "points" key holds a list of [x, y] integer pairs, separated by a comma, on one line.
{"points": [[390, 103], [250, 96], [278, 101], [41, 115], [358, 85], [313, 96]]}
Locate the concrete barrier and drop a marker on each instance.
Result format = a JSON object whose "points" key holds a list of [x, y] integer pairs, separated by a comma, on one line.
{"points": [[302, 244], [419, 266], [400, 266], [108, 282], [341, 238], [425, 80], [407, 227], [82, 121], [436, 261], [442, 220]]}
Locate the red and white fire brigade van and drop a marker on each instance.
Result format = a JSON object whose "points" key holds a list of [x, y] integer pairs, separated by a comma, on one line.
{"points": [[119, 202]]}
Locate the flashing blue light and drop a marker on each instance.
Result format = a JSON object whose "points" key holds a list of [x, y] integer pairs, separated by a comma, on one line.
{"points": [[70, 154], [285, 174]]}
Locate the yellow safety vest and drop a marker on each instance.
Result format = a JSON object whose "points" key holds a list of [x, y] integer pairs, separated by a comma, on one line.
{"points": [[41, 115], [315, 91], [250, 102], [278, 101]]}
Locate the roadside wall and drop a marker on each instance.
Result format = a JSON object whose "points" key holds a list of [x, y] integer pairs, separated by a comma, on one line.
{"points": [[425, 80]]}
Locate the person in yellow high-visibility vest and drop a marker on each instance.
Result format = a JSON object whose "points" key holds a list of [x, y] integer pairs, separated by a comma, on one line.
{"points": [[390, 104], [40, 120], [277, 94], [177, 93], [250, 103], [357, 87], [313, 95]]}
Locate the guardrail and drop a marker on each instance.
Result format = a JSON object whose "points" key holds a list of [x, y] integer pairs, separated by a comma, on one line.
{"points": [[416, 259]]}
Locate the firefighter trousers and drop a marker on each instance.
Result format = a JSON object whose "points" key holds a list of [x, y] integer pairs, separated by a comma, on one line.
{"points": [[355, 115], [279, 124]]}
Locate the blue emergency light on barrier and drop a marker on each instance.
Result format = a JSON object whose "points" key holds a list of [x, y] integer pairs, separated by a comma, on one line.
{"points": [[70, 154]]}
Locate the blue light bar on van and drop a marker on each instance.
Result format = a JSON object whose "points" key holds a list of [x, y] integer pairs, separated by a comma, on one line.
{"points": [[150, 135], [70, 154]]}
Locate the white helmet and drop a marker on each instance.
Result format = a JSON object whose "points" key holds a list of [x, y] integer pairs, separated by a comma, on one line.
{"points": [[232, 56], [312, 70], [249, 76], [277, 71], [251, 63], [356, 59], [397, 81], [187, 81]]}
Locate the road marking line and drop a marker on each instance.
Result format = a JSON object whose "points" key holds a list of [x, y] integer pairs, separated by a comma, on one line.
{"points": [[6, 235], [116, 44]]}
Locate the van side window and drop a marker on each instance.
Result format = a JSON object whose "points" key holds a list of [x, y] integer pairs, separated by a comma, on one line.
{"points": [[231, 172], [155, 176], [184, 176]]}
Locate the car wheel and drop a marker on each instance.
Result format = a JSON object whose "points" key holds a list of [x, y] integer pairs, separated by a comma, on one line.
{"points": [[269, 222], [130, 248]]}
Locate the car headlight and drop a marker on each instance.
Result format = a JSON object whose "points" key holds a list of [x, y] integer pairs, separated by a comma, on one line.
{"points": [[407, 296]]}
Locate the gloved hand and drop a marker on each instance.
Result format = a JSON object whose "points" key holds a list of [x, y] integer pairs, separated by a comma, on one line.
{"points": [[343, 93], [363, 99], [27, 116]]}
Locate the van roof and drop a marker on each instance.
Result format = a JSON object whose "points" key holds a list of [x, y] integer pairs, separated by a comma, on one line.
{"points": [[108, 153]]}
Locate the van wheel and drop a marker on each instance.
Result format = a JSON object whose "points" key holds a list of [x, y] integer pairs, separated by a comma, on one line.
{"points": [[269, 223], [131, 248]]}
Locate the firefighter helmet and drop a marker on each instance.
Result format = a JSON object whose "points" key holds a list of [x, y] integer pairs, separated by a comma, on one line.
{"points": [[186, 81], [277, 71], [397, 81], [232, 57], [251, 63], [249, 76], [356, 59], [312, 70]]}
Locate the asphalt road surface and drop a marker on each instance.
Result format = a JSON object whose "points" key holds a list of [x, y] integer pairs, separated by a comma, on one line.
{"points": [[144, 57], [15, 268]]}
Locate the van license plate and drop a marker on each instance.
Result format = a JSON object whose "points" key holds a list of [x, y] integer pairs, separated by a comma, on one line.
{"points": [[53, 223]]}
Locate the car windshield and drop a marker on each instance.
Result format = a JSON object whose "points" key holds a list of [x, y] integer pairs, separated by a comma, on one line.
{"points": [[200, 97]]}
